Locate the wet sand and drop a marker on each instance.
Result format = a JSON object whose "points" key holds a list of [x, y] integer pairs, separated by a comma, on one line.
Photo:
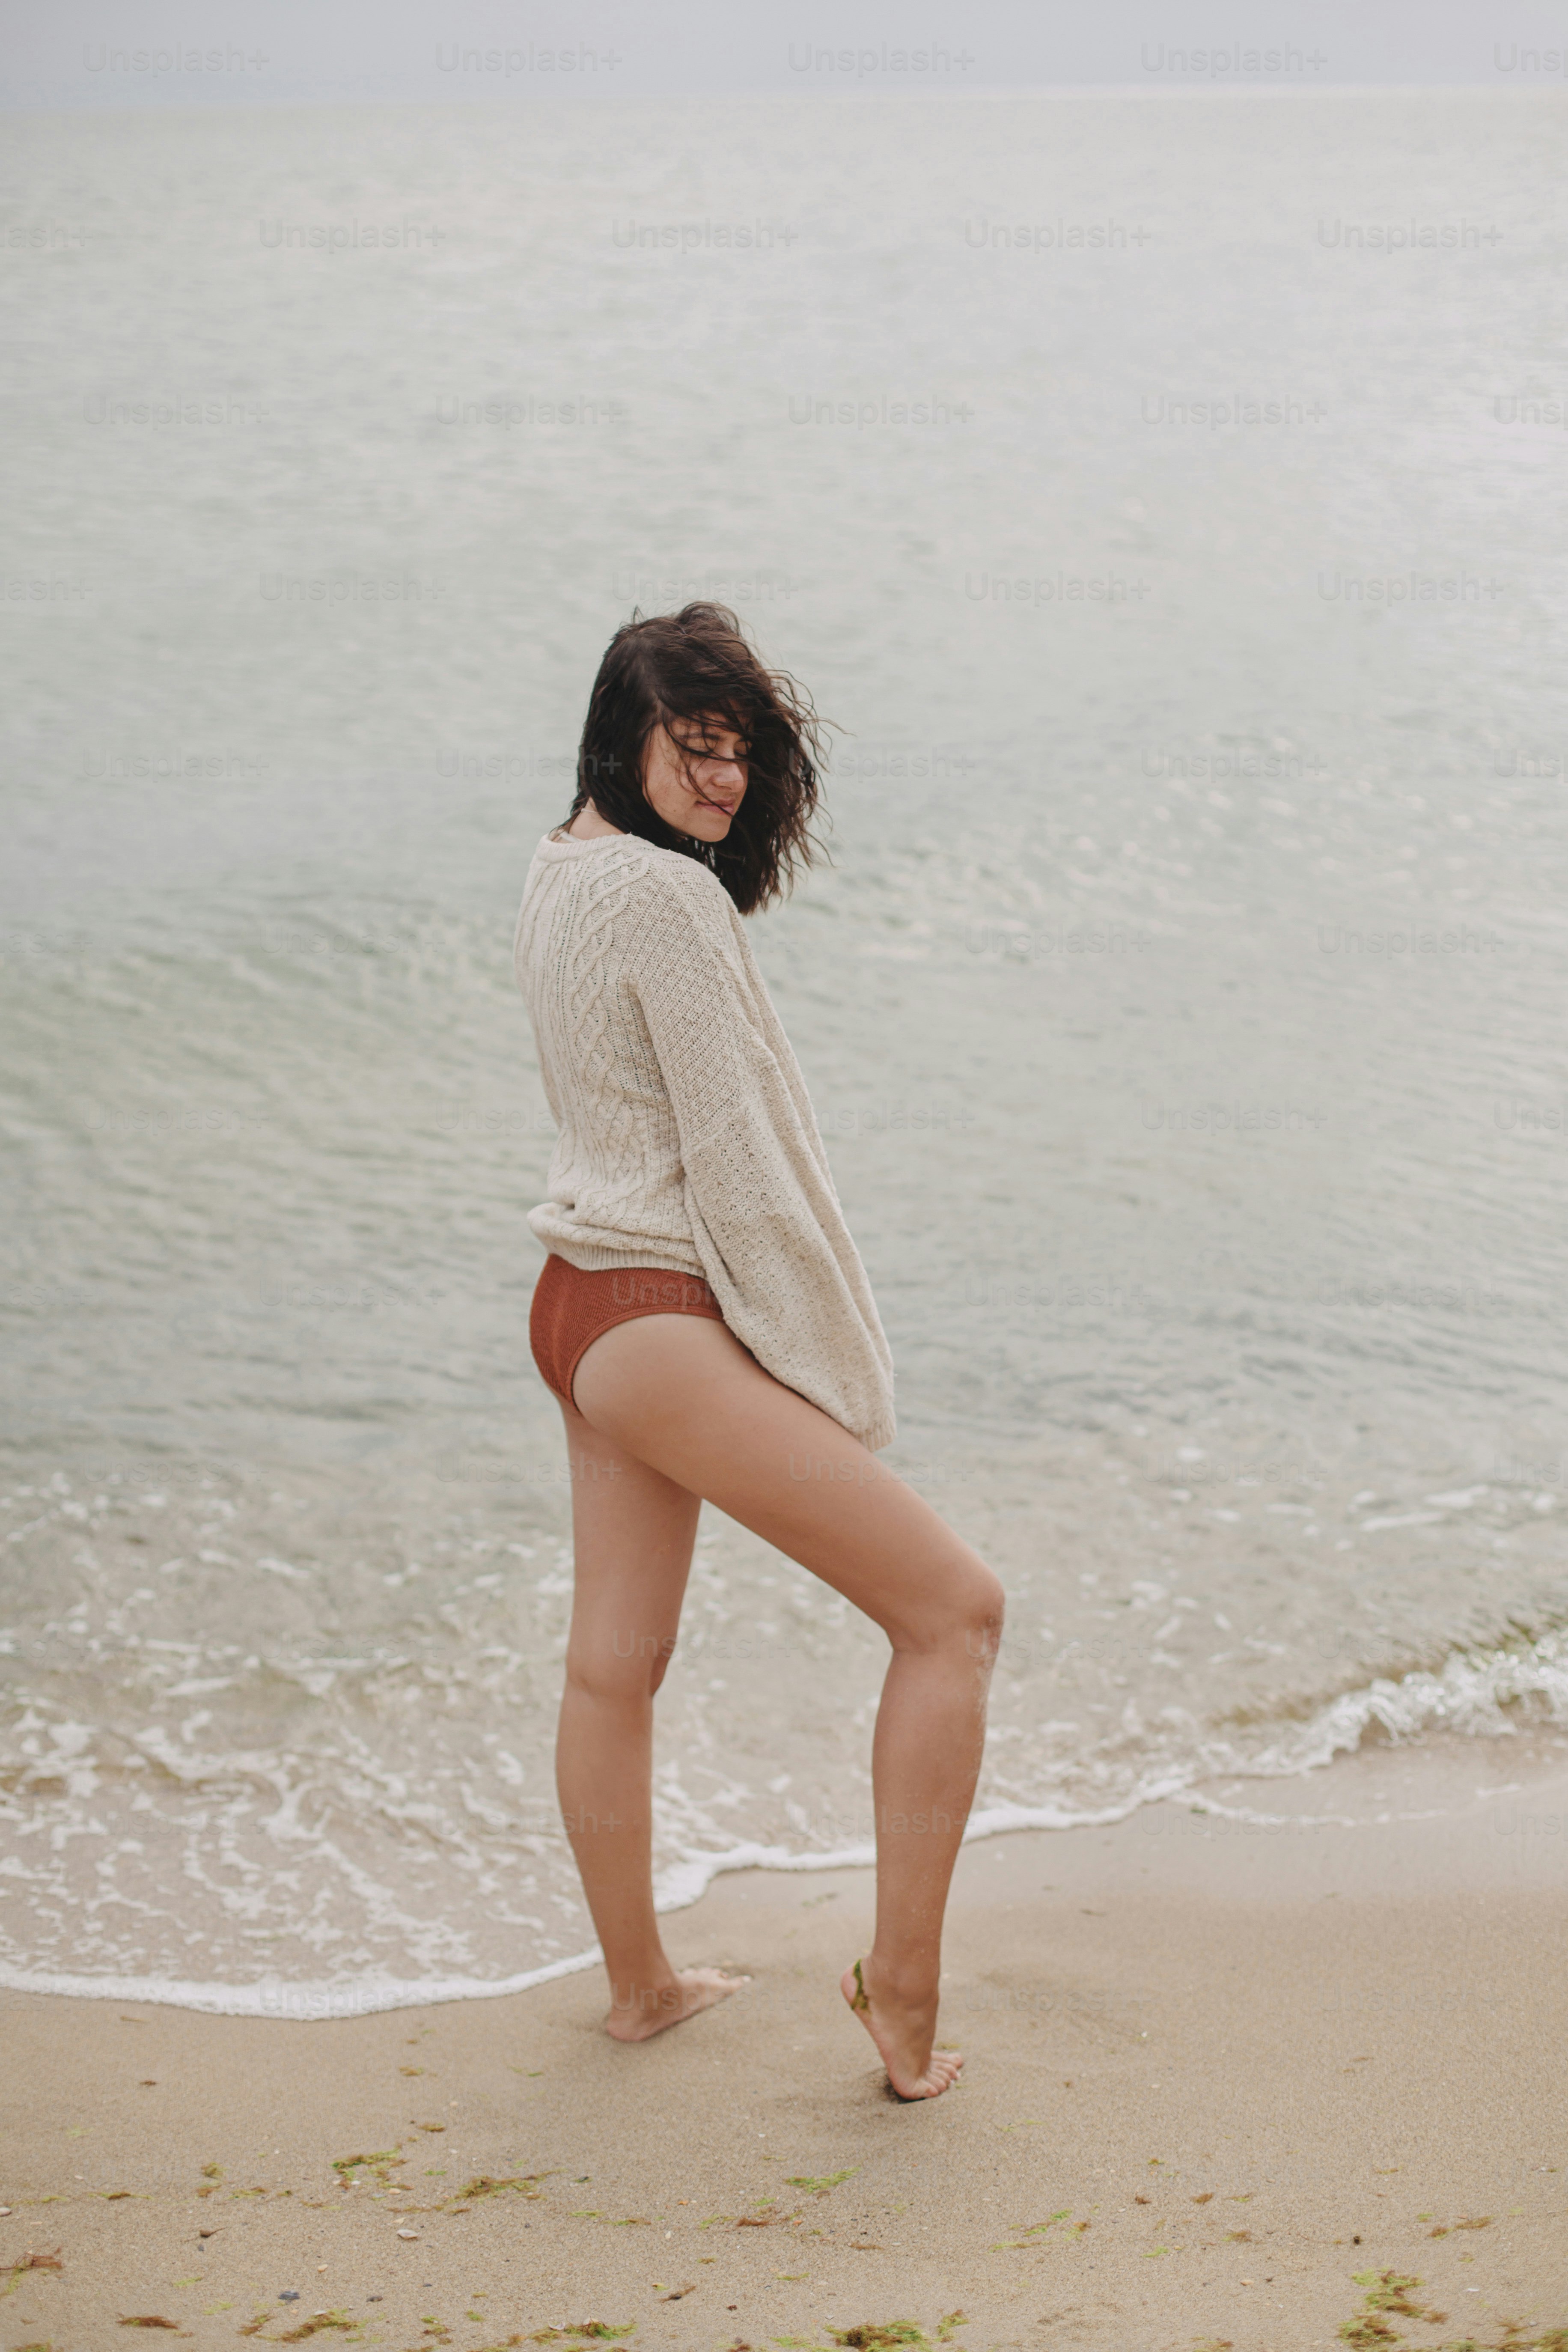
{"points": [[1220, 2079]]}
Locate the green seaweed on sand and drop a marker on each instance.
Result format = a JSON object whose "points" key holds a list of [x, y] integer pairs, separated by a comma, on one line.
{"points": [[1367, 2331], [1389, 2295], [1387, 2290], [597, 2330], [17, 2271], [819, 2185], [378, 2163], [1026, 2234], [1514, 2339], [768, 2212], [522, 2184], [892, 2335]]}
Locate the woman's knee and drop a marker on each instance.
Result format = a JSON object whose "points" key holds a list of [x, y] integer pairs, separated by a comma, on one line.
{"points": [[964, 1612], [623, 1668], [984, 1610]]}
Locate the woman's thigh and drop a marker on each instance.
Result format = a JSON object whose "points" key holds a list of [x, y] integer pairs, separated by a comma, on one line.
{"points": [[633, 1530], [680, 1393]]}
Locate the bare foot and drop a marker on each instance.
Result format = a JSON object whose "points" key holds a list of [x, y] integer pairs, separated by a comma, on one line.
{"points": [[657, 2006], [902, 2033]]}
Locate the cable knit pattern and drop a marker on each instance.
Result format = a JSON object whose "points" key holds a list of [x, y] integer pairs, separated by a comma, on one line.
{"points": [[686, 1137]]}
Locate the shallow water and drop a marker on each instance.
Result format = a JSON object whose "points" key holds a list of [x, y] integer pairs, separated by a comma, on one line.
{"points": [[1183, 1007]]}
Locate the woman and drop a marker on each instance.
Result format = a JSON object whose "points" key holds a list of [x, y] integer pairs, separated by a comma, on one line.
{"points": [[703, 1318]]}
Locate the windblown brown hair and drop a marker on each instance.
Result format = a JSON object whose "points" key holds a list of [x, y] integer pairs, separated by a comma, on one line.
{"points": [[693, 664]]}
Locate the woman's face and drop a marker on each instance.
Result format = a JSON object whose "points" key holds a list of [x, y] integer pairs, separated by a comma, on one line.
{"points": [[694, 776]]}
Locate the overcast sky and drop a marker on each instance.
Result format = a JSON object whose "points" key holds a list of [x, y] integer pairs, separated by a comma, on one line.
{"points": [[75, 53]]}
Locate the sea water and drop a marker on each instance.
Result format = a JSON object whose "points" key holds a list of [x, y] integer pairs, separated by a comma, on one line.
{"points": [[1183, 566]]}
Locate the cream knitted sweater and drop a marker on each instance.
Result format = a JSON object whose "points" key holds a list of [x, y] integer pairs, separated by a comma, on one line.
{"points": [[686, 1137]]}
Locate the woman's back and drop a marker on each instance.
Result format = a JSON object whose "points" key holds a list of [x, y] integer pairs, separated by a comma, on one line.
{"points": [[687, 1136]]}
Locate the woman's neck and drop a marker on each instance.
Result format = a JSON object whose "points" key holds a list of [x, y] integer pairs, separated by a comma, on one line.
{"points": [[589, 825]]}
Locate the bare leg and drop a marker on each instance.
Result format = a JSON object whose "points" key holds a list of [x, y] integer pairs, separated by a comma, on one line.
{"points": [[682, 1396], [633, 1530]]}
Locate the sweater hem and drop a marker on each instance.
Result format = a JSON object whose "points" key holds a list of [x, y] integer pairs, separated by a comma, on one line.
{"points": [[597, 1258]]}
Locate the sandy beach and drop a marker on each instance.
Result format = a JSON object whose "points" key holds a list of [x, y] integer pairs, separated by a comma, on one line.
{"points": [[1226, 2083]]}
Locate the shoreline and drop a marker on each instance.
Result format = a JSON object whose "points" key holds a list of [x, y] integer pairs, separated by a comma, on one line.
{"points": [[1219, 2071], [1442, 1762], [371, 1662]]}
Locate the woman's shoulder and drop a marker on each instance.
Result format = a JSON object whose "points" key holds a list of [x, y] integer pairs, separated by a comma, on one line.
{"points": [[674, 887], [654, 889]]}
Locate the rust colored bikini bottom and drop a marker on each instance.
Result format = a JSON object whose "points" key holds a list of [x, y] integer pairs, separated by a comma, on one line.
{"points": [[571, 1310]]}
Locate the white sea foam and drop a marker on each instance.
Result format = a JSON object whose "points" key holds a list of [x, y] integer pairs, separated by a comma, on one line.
{"points": [[1471, 1695], [269, 1997]]}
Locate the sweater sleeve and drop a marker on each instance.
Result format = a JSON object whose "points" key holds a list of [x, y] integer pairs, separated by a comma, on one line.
{"points": [[765, 1215]]}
